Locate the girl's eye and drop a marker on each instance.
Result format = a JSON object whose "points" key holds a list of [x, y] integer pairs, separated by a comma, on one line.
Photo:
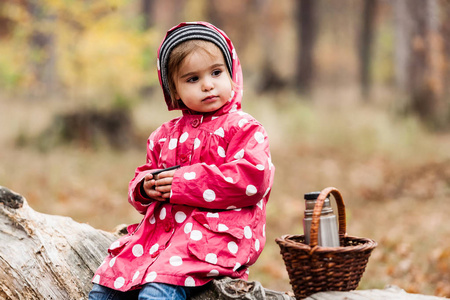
{"points": [[216, 72], [192, 79]]}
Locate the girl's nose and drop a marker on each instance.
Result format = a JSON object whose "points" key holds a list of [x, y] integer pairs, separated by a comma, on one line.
{"points": [[207, 85]]}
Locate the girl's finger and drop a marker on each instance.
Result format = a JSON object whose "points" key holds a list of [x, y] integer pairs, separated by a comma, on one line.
{"points": [[163, 188]]}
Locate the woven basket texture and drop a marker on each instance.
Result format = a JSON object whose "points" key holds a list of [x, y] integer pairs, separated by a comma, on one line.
{"points": [[312, 268]]}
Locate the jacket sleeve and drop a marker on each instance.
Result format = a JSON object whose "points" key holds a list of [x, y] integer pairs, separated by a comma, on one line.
{"points": [[244, 179], [135, 195]]}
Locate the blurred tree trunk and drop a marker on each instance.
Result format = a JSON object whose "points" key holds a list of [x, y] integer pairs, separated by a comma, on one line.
{"points": [[420, 59], [43, 49], [306, 20], [269, 29], [234, 17], [6, 24], [366, 44], [213, 14], [445, 8], [147, 7]]}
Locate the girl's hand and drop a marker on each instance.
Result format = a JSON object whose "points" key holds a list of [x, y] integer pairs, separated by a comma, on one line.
{"points": [[159, 188]]}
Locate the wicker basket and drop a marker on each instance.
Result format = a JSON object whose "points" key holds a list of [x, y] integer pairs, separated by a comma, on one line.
{"points": [[313, 268]]}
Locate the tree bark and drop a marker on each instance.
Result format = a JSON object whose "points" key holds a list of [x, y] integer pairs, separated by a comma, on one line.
{"points": [[365, 44], [147, 7], [420, 59], [306, 20], [43, 47]]}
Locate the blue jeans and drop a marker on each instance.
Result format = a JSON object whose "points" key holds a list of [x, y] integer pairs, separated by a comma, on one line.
{"points": [[150, 291]]}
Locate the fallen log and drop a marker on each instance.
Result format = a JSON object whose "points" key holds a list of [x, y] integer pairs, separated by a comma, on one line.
{"points": [[53, 257]]}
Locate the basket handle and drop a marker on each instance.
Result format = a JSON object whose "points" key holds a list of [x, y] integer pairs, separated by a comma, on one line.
{"points": [[318, 209]]}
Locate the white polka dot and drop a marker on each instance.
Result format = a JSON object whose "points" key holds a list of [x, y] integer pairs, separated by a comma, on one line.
{"points": [[260, 204], [212, 215], [189, 175], [213, 273], [196, 143], [135, 276], [152, 220], [162, 213], [173, 144], [221, 151], [248, 232], [184, 137], [158, 66], [209, 195], [162, 140], [266, 192], [229, 179], [237, 266], [233, 247], [260, 167], [240, 154], [114, 245], [151, 276], [96, 279], [176, 261], [222, 227], [234, 53], [187, 228], [138, 250], [119, 282], [112, 262], [180, 217], [219, 132], [154, 248], [196, 235], [259, 137], [257, 245], [251, 190], [189, 282], [233, 108], [242, 122], [211, 258], [151, 145]]}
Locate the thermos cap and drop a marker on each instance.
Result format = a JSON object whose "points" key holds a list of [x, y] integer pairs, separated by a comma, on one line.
{"points": [[312, 195]]}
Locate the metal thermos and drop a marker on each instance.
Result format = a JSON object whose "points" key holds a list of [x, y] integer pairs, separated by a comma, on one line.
{"points": [[328, 230]]}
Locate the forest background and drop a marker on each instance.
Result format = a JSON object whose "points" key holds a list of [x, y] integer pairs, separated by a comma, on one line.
{"points": [[354, 94]]}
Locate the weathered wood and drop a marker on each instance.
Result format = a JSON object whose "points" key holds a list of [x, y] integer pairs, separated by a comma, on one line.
{"points": [[53, 257], [44, 256], [389, 293]]}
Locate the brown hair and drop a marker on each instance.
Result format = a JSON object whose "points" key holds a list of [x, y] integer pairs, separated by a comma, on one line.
{"points": [[176, 58]]}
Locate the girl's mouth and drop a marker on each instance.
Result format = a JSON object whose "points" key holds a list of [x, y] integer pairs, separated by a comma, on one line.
{"points": [[209, 98]]}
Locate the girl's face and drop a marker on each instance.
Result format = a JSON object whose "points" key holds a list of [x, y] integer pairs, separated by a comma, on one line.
{"points": [[202, 81]]}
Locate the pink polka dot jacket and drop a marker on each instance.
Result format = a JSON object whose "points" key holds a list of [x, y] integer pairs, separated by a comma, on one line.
{"points": [[214, 222]]}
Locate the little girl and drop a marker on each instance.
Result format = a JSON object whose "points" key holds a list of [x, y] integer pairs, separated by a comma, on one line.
{"points": [[205, 219]]}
